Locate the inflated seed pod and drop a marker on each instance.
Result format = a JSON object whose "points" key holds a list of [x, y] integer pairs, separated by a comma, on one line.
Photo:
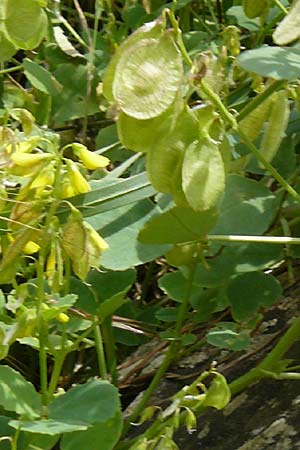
{"points": [[278, 120], [288, 30], [252, 125], [254, 8]]}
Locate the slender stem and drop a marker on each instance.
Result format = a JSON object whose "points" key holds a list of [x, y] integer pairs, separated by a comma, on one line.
{"points": [[179, 39], [269, 166], [110, 350], [215, 99], [58, 364], [11, 69], [259, 239], [60, 356], [280, 6], [253, 104], [100, 352], [270, 361], [169, 356]]}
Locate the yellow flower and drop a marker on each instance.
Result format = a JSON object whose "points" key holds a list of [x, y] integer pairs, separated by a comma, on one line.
{"points": [[77, 180], [28, 159], [31, 247], [63, 318], [91, 160], [95, 237]]}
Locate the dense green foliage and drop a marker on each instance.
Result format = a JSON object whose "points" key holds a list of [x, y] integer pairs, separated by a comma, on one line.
{"points": [[149, 169]]}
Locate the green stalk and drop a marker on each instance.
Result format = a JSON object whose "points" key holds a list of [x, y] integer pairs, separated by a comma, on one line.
{"points": [[11, 69], [110, 351], [280, 6], [169, 356], [215, 99], [258, 239], [60, 356], [100, 352], [270, 361], [58, 364]]}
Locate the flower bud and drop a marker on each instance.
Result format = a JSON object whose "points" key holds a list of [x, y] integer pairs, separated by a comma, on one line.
{"points": [[27, 160], [91, 160]]}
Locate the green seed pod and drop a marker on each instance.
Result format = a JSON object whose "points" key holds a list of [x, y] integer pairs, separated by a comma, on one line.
{"points": [[288, 29], [164, 160], [203, 174], [278, 120], [148, 30], [254, 8], [252, 125], [148, 76], [182, 255]]}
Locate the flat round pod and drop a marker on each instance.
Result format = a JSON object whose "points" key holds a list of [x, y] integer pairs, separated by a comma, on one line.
{"points": [[148, 76], [149, 30]]}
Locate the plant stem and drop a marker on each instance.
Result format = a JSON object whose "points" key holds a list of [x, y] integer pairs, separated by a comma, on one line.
{"points": [[270, 361], [100, 352], [11, 69], [280, 6], [259, 239], [215, 99], [110, 350], [276, 175], [169, 356], [58, 363]]}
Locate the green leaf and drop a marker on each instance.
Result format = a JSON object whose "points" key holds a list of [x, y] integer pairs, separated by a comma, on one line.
{"points": [[248, 207], [174, 285], [41, 78], [86, 299], [168, 314], [178, 225], [71, 103], [272, 62], [288, 30], [17, 394], [25, 23], [120, 228], [226, 335], [106, 434], [218, 394], [203, 175], [107, 284], [237, 13], [148, 76], [7, 48], [108, 195], [250, 291], [64, 44], [49, 427], [110, 289], [90, 403]]}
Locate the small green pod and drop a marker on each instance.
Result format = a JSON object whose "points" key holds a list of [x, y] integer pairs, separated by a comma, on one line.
{"points": [[252, 125], [254, 8], [278, 120]]}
